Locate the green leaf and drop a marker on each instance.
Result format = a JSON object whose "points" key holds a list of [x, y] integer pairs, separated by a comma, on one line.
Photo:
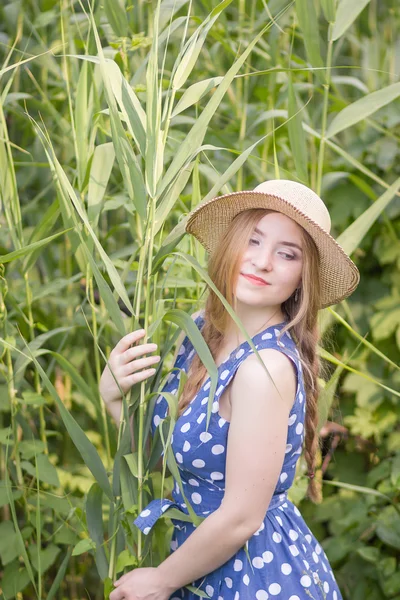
{"points": [[48, 556], [329, 9], [307, 17], [351, 238], [100, 171], [28, 448], [296, 136], [363, 108], [60, 575], [125, 559], [94, 519], [347, 13], [83, 546], [388, 528], [47, 471], [194, 93], [116, 16], [10, 543], [14, 580], [27, 250]]}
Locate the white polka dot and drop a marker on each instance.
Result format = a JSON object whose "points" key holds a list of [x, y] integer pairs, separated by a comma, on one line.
{"points": [[199, 463], [236, 597], [224, 374], [260, 528], [237, 565], [296, 510], [293, 535], [196, 498], [221, 422], [324, 567], [318, 549], [283, 477], [204, 401], [305, 581], [286, 569], [156, 420], [201, 418], [186, 446], [188, 411], [209, 590], [216, 476], [266, 336], [145, 513], [219, 390], [299, 428], [276, 537], [257, 562], [292, 419], [294, 598], [228, 582], [307, 566], [267, 556], [301, 397], [207, 386], [335, 595], [246, 580], [194, 482], [288, 448], [164, 508], [308, 538], [239, 353], [274, 589], [215, 406], [173, 545], [315, 557], [294, 550], [326, 586], [205, 436], [185, 427], [217, 449], [146, 530], [179, 457], [279, 521], [181, 350], [262, 595]]}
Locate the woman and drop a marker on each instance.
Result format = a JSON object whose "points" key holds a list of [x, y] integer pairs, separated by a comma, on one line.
{"points": [[272, 258]]}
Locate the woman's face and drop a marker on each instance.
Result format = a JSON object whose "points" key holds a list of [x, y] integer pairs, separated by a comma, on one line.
{"points": [[274, 254]]}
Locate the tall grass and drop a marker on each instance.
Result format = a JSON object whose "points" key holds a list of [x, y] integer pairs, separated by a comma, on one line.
{"points": [[131, 119]]}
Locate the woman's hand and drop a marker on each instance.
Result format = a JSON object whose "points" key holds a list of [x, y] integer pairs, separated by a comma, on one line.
{"points": [[141, 584], [125, 363]]}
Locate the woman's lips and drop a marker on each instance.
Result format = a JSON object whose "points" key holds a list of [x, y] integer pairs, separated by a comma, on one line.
{"points": [[254, 280]]}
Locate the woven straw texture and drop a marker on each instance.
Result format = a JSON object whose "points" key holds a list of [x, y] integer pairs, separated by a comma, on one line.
{"points": [[338, 274]]}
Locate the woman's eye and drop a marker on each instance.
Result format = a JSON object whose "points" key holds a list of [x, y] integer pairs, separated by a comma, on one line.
{"points": [[287, 256], [253, 240]]}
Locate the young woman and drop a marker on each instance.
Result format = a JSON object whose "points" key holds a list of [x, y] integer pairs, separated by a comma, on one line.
{"points": [[274, 261]]}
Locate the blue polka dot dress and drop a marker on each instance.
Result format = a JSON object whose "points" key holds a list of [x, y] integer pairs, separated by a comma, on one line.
{"points": [[282, 559]]}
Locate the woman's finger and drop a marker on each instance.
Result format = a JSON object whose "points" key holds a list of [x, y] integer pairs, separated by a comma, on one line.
{"points": [[127, 340]]}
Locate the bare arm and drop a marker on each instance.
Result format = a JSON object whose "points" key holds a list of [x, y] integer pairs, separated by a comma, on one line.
{"points": [[255, 454]]}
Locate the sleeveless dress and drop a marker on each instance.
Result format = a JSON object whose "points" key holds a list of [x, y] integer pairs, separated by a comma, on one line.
{"points": [[282, 559]]}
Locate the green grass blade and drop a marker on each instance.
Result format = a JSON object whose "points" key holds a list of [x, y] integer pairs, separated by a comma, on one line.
{"points": [[100, 171], [60, 575], [27, 250], [154, 146], [347, 13], [351, 238], [94, 519], [363, 108], [194, 93], [296, 136], [116, 16], [308, 21]]}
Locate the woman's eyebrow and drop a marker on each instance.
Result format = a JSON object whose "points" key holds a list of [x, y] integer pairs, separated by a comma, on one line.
{"points": [[291, 244]]}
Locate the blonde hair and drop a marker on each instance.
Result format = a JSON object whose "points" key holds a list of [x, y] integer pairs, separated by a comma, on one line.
{"points": [[224, 268]]}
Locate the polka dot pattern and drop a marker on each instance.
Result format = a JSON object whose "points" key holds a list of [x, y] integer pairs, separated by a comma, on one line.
{"points": [[286, 560]]}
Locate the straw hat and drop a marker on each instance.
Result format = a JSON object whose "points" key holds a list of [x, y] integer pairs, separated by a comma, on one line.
{"points": [[339, 275]]}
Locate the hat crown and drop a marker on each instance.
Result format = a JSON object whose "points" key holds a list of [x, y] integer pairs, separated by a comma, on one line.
{"points": [[300, 197]]}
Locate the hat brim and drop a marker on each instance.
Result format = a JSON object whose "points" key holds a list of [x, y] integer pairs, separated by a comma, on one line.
{"points": [[209, 221]]}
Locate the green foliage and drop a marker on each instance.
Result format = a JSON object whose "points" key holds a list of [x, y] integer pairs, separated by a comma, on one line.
{"points": [[113, 125]]}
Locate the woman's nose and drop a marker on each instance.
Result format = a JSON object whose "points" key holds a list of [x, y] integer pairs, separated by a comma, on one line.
{"points": [[263, 261]]}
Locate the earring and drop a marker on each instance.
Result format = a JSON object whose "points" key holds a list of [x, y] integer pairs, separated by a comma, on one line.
{"points": [[296, 294]]}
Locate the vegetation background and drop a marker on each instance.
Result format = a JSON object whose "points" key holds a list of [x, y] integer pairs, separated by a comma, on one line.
{"points": [[116, 118]]}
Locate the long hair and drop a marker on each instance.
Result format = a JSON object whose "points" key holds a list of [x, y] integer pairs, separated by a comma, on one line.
{"points": [[223, 269]]}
